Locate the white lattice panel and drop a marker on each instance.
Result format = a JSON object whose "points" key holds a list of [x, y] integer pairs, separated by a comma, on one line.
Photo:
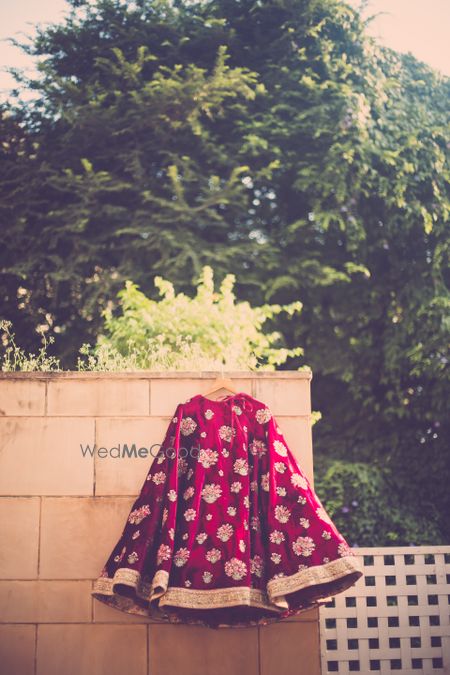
{"points": [[396, 617]]}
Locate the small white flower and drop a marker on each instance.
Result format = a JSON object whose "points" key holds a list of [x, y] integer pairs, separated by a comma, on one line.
{"points": [[201, 537], [213, 555], [281, 491], [282, 513], [241, 466], [181, 557], [211, 492], [225, 452], [187, 426], [326, 534], [299, 481], [280, 448], [188, 492], [253, 485], [265, 483], [263, 415], [242, 546], [133, 557], [190, 514], [276, 537], [231, 510], [203, 434], [209, 414], [135, 535], [226, 433], [159, 478], [185, 536], [220, 472], [304, 522], [208, 516], [280, 467], [303, 546], [235, 568], [163, 553], [187, 583], [275, 558], [225, 531], [172, 495], [207, 577]]}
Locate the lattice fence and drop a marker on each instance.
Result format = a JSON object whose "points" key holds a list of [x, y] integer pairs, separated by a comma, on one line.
{"points": [[395, 619]]}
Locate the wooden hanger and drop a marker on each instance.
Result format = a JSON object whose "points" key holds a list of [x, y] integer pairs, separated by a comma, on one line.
{"points": [[221, 382]]}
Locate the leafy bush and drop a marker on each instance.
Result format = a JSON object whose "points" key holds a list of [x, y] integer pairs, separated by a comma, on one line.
{"points": [[208, 331]]}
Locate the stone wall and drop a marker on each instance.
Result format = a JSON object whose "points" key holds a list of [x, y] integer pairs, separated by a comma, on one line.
{"points": [[61, 514]]}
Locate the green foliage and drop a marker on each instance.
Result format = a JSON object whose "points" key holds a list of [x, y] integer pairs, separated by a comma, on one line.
{"points": [[366, 505], [177, 332]]}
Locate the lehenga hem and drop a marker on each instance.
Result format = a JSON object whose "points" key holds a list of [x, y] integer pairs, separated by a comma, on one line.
{"points": [[152, 597]]}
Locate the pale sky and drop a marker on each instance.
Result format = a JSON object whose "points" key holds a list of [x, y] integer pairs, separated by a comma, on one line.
{"points": [[419, 26]]}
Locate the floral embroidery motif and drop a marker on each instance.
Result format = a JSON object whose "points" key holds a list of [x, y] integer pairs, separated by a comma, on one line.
{"points": [[326, 534], [225, 452], [241, 466], [303, 546], [172, 495], [237, 410], [242, 546], [256, 565], [265, 482], [235, 568], [172, 533], [231, 510], [136, 534], [226, 433], [181, 557], [209, 414], [190, 514], [208, 516], [163, 554], [188, 583], [302, 500], [258, 447], [211, 493], [246, 501], [187, 426], [182, 465], [207, 577], [164, 516], [118, 558], [299, 481], [225, 531], [275, 558], [280, 448], [159, 478], [304, 522], [203, 434], [213, 555], [201, 537], [276, 537], [188, 492], [282, 513], [138, 515], [254, 523], [263, 415], [344, 549], [280, 467], [207, 457], [132, 558], [281, 491]]}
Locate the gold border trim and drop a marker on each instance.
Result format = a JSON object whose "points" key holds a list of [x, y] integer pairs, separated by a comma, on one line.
{"points": [[317, 574], [273, 600]]}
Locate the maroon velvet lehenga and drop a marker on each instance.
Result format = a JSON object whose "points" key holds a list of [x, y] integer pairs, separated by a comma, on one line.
{"points": [[227, 529]]}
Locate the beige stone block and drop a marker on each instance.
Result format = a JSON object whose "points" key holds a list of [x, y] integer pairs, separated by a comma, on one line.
{"points": [[22, 397], [78, 534], [290, 648], [94, 398], [42, 456], [17, 647], [297, 433], [45, 601], [285, 396], [192, 650], [126, 475], [165, 395], [19, 537], [91, 650]]}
